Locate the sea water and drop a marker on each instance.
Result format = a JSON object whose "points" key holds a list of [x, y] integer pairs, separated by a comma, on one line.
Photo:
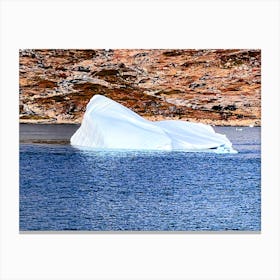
{"points": [[63, 188]]}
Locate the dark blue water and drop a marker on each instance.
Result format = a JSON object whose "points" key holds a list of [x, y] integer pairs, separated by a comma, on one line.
{"points": [[62, 188]]}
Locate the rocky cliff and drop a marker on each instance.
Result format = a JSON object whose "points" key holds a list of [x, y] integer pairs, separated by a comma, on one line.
{"points": [[221, 87]]}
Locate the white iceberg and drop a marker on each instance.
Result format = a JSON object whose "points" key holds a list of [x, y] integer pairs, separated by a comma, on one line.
{"points": [[109, 125]]}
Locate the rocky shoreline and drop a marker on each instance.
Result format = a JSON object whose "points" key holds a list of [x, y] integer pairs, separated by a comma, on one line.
{"points": [[217, 87], [235, 123]]}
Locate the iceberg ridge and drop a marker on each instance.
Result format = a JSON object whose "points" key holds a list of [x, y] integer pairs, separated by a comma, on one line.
{"points": [[109, 125]]}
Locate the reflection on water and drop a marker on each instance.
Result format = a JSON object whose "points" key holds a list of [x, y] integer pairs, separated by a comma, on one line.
{"points": [[64, 188]]}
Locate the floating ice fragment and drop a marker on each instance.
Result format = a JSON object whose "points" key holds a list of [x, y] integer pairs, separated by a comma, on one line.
{"points": [[109, 125]]}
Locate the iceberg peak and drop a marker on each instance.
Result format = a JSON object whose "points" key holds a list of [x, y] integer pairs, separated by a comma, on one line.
{"points": [[109, 125]]}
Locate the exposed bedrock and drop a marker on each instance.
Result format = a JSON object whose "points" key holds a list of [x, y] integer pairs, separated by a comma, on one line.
{"points": [[221, 87]]}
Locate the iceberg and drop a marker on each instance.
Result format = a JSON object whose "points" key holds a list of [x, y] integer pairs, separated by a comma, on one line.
{"points": [[109, 125]]}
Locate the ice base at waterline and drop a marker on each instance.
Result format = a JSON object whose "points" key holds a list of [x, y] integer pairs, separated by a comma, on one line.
{"points": [[109, 125]]}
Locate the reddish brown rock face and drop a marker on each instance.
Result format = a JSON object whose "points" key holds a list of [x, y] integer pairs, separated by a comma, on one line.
{"points": [[221, 87]]}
